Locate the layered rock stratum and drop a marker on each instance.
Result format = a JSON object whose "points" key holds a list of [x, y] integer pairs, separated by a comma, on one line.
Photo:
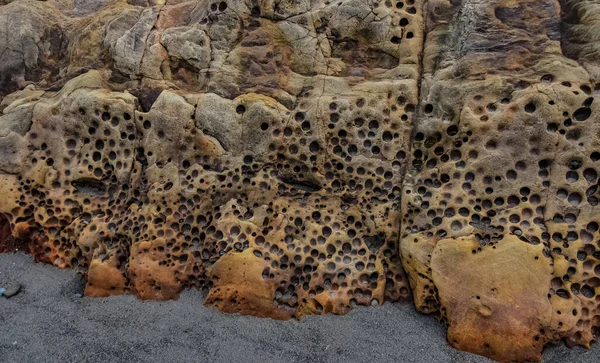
{"points": [[297, 157]]}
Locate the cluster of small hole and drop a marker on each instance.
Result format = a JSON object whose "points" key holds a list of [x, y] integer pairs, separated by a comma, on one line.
{"points": [[319, 206], [465, 183], [403, 24], [352, 132], [326, 190]]}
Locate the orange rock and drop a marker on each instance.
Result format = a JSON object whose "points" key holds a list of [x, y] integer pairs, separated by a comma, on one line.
{"points": [[104, 279], [239, 287], [150, 277], [494, 299]]}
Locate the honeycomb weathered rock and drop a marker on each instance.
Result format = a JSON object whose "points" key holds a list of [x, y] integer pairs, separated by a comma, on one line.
{"points": [[295, 157], [500, 227]]}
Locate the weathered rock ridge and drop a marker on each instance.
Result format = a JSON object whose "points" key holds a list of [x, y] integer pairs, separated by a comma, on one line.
{"points": [[298, 157]]}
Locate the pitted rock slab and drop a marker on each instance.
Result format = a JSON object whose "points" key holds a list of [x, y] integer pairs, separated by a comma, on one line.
{"points": [[304, 157]]}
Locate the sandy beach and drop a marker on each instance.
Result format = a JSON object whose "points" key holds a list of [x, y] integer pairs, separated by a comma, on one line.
{"points": [[49, 321]]}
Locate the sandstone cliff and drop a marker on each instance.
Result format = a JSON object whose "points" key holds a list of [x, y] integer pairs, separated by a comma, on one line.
{"points": [[300, 157]]}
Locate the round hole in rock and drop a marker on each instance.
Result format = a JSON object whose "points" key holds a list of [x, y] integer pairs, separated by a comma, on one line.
{"points": [[590, 174], [314, 147], [71, 144], [588, 291], [582, 114], [530, 108], [574, 164], [572, 176], [574, 199]]}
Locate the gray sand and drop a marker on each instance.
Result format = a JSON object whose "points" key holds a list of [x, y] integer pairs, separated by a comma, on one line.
{"points": [[49, 322]]}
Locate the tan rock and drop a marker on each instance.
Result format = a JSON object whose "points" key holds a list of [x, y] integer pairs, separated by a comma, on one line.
{"points": [[305, 157]]}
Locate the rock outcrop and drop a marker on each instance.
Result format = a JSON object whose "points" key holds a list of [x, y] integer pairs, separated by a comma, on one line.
{"points": [[298, 157]]}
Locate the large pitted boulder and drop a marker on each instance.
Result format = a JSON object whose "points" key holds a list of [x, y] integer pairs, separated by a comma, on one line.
{"points": [[305, 157]]}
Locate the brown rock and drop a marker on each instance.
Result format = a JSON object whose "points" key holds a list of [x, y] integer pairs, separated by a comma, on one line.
{"points": [[5, 234], [299, 158]]}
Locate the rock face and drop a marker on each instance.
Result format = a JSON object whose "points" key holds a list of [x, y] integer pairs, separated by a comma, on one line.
{"points": [[300, 157]]}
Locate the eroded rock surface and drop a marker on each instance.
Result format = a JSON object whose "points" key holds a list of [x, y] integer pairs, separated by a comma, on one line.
{"points": [[256, 150], [303, 157]]}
